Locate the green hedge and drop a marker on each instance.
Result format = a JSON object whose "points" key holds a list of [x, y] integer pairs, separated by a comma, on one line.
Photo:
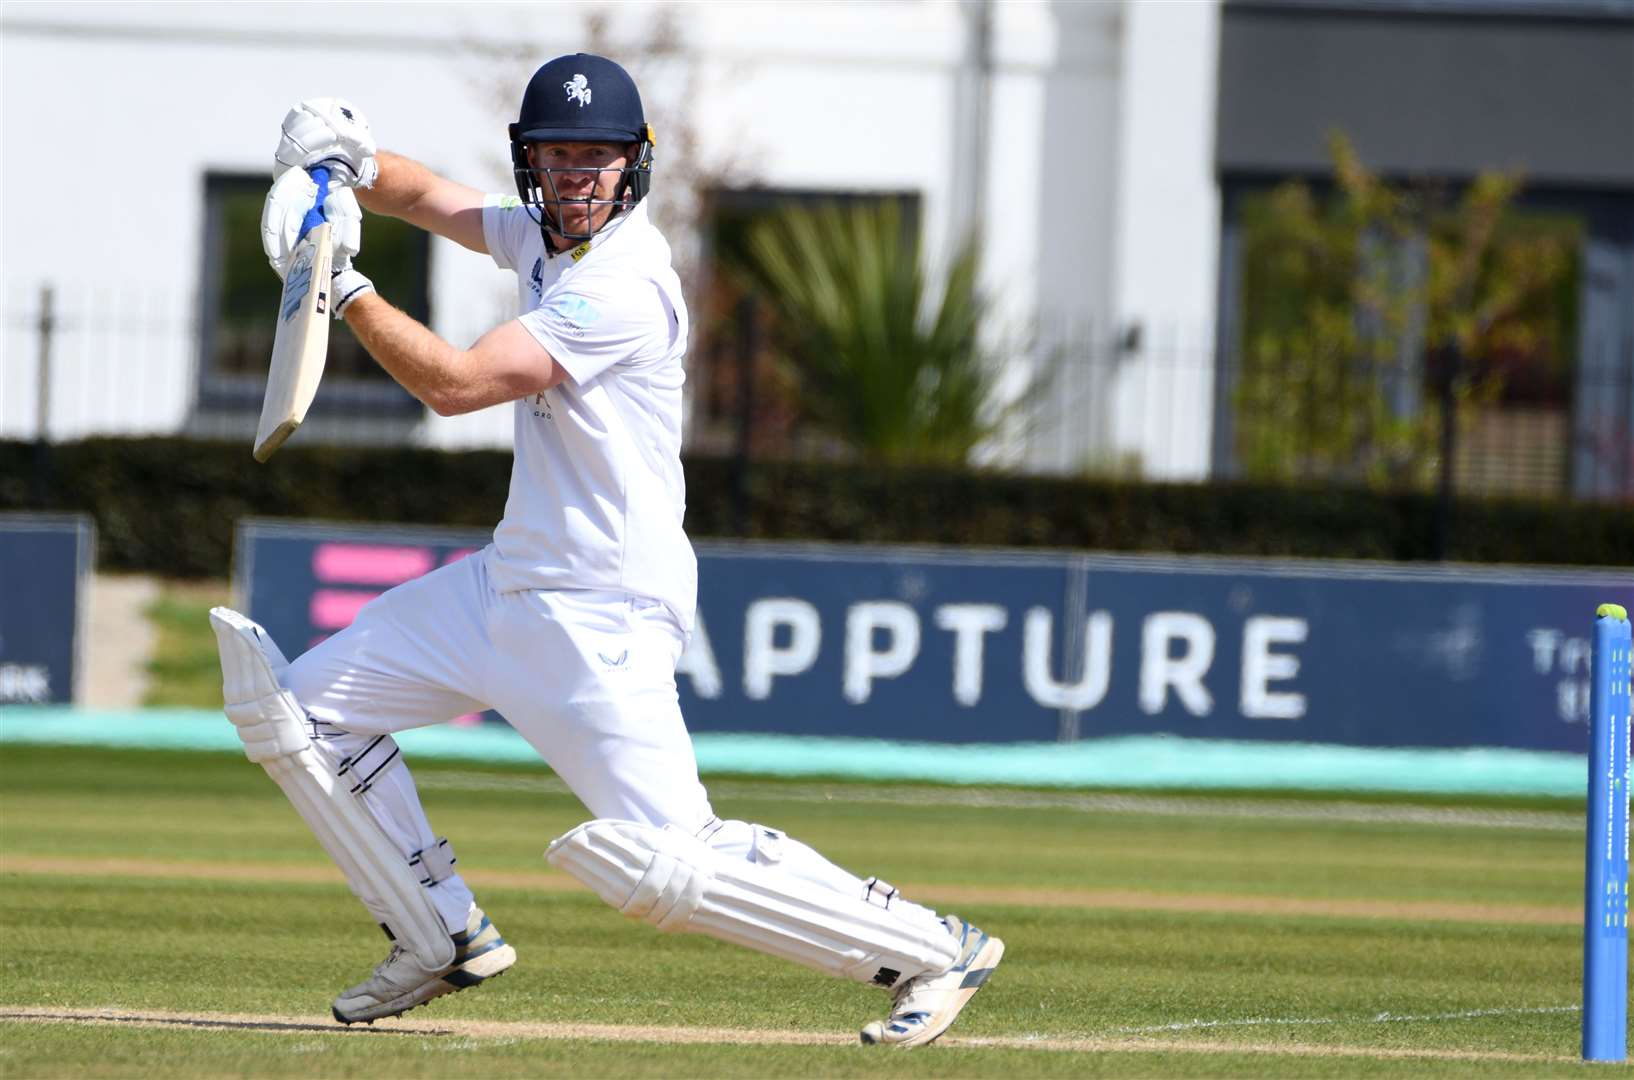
{"points": [[167, 506]]}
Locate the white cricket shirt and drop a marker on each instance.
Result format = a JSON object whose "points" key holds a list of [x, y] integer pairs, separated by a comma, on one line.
{"points": [[597, 493]]}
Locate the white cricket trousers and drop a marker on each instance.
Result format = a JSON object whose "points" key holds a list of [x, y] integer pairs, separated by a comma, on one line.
{"points": [[587, 677]]}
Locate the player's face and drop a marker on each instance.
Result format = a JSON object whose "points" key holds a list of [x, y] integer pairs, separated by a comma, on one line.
{"points": [[584, 176]]}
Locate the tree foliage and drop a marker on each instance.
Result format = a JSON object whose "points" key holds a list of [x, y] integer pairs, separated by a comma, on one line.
{"points": [[1354, 303], [875, 356]]}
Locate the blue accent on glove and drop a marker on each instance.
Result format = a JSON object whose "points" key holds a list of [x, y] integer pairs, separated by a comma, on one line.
{"points": [[314, 217]]}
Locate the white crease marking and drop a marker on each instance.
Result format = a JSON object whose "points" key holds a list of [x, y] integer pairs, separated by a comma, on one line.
{"points": [[1312, 1021]]}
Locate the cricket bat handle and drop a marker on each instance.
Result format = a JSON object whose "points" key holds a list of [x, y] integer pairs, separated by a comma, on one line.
{"points": [[314, 217]]}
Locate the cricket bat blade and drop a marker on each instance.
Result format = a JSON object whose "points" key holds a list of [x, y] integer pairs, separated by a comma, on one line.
{"points": [[301, 343]]}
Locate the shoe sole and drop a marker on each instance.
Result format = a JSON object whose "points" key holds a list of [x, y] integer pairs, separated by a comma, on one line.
{"points": [[981, 969], [473, 972]]}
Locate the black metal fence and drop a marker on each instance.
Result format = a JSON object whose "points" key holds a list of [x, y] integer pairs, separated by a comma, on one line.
{"points": [[1157, 406]]}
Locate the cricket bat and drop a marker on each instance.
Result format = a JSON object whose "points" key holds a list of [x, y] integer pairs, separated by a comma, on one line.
{"points": [[302, 340]]}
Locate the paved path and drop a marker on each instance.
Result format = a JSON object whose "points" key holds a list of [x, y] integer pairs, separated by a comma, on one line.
{"points": [[118, 641]]}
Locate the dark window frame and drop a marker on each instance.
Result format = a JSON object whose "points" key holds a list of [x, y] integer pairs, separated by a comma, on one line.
{"points": [[1605, 337], [227, 392]]}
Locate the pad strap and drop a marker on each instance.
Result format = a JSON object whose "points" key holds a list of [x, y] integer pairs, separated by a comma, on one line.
{"points": [[360, 770], [879, 893], [434, 864]]}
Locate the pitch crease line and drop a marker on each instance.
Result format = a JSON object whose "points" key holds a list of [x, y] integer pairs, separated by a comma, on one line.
{"points": [[493, 1029], [1314, 1021]]}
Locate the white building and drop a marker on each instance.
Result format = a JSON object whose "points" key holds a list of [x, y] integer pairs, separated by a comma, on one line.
{"points": [[1077, 133]]}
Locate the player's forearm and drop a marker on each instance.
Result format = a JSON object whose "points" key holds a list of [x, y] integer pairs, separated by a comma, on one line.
{"points": [[422, 363], [402, 183], [408, 190]]}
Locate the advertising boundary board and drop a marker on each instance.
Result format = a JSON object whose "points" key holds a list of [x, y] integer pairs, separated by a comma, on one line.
{"points": [[33, 656], [923, 643]]}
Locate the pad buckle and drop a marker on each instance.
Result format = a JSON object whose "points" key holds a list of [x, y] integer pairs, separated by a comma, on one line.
{"points": [[879, 893], [435, 863]]}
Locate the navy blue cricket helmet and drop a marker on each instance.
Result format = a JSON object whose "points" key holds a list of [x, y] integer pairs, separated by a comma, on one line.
{"points": [[579, 98]]}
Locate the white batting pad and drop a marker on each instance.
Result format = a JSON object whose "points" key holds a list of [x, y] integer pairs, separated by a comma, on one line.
{"points": [[271, 724], [677, 882]]}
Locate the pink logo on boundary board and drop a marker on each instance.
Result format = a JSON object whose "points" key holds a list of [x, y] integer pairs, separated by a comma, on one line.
{"points": [[370, 564], [334, 609]]}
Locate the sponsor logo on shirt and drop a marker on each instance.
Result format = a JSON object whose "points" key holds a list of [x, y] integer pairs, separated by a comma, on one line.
{"points": [[581, 251], [509, 202], [575, 313], [537, 278]]}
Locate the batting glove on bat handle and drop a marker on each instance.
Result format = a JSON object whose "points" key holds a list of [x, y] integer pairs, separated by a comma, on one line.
{"points": [[284, 215], [346, 285]]}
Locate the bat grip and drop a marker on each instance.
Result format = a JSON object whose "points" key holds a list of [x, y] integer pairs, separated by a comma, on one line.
{"points": [[314, 217]]}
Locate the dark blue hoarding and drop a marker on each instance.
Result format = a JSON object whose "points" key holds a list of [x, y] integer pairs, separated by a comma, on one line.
{"points": [[964, 646], [44, 564]]}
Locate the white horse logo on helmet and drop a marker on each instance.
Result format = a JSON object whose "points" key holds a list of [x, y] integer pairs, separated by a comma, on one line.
{"points": [[578, 89]]}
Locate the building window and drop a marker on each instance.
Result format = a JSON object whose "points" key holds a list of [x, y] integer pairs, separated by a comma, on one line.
{"points": [[239, 294]]}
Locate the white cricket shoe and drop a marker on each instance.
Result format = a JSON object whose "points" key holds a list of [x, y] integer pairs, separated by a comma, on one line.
{"points": [[925, 1006], [400, 983]]}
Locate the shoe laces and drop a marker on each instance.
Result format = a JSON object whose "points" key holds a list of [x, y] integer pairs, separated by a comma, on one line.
{"points": [[908, 988], [391, 958], [902, 993]]}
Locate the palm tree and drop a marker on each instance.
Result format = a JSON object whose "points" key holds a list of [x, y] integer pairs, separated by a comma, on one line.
{"points": [[897, 373]]}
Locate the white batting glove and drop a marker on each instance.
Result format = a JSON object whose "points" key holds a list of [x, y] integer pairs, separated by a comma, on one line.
{"points": [[332, 132], [346, 284], [287, 203]]}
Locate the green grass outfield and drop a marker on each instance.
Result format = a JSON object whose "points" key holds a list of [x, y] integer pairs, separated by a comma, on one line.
{"points": [[166, 914]]}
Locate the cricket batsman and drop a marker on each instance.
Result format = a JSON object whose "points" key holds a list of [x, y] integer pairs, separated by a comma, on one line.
{"points": [[570, 623]]}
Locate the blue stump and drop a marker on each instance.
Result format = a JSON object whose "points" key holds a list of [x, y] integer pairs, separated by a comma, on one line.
{"points": [[1605, 880]]}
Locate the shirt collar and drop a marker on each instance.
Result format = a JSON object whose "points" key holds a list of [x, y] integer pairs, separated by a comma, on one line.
{"points": [[577, 252]]}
